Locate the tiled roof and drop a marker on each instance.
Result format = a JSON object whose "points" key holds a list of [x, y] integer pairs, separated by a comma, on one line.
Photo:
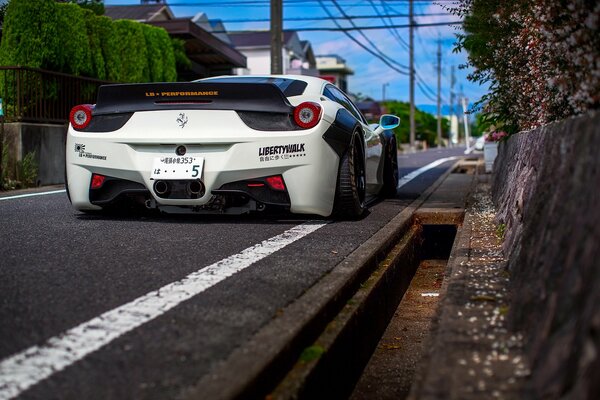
{"points": [[135, 12], [251, 39]]}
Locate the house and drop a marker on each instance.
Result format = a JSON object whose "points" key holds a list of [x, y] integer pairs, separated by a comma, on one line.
{"points": [[334, 69], [211, 53], [297, 56]]}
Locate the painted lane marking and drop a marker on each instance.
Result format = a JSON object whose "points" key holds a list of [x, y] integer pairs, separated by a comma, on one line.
{"points": [[23, 370], [20, 196], [407, 178]]}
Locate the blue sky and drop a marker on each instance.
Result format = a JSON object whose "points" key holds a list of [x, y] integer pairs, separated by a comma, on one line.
{"points": [[370, 73]]}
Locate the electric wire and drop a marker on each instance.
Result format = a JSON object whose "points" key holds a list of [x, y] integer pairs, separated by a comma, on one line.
{"points": [[341, 10], [362, 45]]}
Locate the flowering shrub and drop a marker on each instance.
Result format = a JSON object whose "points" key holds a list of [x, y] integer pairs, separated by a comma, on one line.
{"points": [[539, 56], [496, 136]]}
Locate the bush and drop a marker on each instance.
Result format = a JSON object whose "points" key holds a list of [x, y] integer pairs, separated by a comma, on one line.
{"points": [[27, 171], [168, 56], [94, 34], [30, 35], [155, 64], [181, 61], [109, 43], [74, 53], [64, 37], [540, 58], [425, 123], [132, 51]]}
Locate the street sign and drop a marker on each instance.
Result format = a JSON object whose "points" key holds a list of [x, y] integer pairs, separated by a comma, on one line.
{"points": [[1, 110]]}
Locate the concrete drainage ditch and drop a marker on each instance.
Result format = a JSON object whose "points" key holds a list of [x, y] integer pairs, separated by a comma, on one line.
{"points": [[334, 363], [318, 346]]}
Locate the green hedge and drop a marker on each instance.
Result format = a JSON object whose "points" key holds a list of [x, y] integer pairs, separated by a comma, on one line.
{"points": [[30, 35], [67, 38], [167, 52], [74, 55], [110, 48], [94, 34], [132, 51]]}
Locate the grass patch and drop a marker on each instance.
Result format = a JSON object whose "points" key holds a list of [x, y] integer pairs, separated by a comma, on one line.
{"points": [[311, 353]]}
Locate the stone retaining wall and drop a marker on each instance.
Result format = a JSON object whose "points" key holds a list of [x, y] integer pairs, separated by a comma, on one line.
{"points": [[48, 143], [546, 188]]}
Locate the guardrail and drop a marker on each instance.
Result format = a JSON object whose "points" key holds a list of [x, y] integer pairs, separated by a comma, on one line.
{"points": [[42, 96]]}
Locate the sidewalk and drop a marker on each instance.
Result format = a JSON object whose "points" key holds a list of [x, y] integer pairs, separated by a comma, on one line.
{"points": [[448, 338], [470, 353]]}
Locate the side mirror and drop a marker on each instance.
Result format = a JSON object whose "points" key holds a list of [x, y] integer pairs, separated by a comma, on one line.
{"points": [[387, 121]]}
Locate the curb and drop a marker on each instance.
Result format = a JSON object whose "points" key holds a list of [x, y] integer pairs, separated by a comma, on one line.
{"points": [[253, 370]]}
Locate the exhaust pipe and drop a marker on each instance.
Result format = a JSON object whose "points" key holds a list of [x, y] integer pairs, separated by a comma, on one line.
{"points": [[161, 187], [150, 204], [194, 188]]}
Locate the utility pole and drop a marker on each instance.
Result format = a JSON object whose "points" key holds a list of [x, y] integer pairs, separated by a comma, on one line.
{"points": [[383, 91], [452, 122], [276, 36], [412, 76], [466, 122], [439, 93]]}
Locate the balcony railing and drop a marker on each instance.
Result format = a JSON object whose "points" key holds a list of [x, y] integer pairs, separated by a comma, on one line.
{"points": [[41, 96]]}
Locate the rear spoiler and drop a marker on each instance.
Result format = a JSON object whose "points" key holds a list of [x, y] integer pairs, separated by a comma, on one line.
{"points": [[127, 98]]}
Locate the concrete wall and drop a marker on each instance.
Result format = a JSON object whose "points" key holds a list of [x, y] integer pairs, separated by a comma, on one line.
{"points": [[48, 142], [547, 190]]}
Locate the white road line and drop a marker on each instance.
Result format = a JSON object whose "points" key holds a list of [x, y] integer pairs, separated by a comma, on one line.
{"points": [[20, 196], [23, 370], [407, 178]]}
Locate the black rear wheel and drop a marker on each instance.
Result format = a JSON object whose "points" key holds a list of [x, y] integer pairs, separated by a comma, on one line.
{"points": [[351, 185]]}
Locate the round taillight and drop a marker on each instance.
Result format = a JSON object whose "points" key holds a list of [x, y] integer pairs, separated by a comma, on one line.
{"points": [[81, 116], [307, 114]]}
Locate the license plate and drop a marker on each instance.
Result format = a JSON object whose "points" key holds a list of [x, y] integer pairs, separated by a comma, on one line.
{"points": [[184, 167]]}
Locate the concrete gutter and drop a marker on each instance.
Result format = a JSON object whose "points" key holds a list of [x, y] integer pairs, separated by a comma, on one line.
{"points": [[253, 370]]}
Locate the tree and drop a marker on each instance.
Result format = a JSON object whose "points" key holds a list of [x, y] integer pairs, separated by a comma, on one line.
{"points": [[540, 58], [74, 56], [95, 6], [30, 35], [426, 124], [64, 37], [2, 12], [132, 51]]}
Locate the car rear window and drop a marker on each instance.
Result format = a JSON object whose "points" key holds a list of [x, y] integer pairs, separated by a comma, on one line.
{"points": [[289, 87]]}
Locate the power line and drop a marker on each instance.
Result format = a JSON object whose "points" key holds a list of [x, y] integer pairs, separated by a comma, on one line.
{"points": [[303, 2], [358, 28], [288, 3], [348, 17], [341, 10], [430, 97], [385, 22], [360, 44]]}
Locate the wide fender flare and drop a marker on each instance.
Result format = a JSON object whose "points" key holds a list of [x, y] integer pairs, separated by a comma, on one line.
{"points": [[339, 135]]}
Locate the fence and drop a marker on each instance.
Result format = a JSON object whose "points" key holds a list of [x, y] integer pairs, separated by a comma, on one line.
{"points": [[41, 96]]}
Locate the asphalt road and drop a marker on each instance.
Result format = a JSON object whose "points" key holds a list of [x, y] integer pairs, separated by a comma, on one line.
{"points": [[61, 269]]}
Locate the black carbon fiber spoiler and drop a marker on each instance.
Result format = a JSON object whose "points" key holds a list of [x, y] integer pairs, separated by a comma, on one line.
{"points": [[127, 98]]}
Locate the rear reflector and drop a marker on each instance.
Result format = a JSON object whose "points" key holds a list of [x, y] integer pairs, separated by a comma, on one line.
{"points": [[81, 116], [276, 182], [256, 184], [307, 114], [97, 181]]}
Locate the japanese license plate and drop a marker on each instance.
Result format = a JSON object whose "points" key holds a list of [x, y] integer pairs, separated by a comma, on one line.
{"points": [[181, 167]]}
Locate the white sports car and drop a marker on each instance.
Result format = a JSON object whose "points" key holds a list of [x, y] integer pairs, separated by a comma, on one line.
{"points": [[231, 144]]}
